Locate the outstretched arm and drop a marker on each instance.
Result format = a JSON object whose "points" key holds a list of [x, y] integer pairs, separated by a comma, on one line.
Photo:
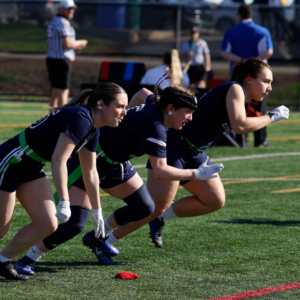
{"points": [[61, 154], [162, 171], [235, 103]]}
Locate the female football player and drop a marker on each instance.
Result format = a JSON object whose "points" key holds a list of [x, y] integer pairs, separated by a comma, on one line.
{"points": [[219, 110], [54, 138]]}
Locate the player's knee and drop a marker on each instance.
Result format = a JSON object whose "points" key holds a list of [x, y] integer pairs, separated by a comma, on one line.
{"points": [[140, 203], [49, 228], [158, 211], [217, 203], [67, 231]]}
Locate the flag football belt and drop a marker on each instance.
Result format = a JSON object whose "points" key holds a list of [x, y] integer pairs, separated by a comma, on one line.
{"points": [[192, 146], [18, 156], [77, 173]]}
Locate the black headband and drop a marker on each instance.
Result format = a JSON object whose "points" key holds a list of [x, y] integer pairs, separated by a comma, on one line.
{"points": [[179, 100]]}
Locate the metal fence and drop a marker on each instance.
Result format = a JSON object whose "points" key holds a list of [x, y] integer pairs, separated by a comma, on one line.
{"points": [[140, 31]]}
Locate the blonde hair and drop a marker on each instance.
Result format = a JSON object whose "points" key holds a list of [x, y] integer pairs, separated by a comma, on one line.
{"points": [[176, 71]]}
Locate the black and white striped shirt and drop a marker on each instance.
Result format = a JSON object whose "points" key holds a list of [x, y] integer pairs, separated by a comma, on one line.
{"points": [[58, 28], [199, 47]]}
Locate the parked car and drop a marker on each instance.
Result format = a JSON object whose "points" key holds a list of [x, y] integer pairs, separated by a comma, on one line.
{"points": [[224, 14], [40, 11], [151, 15], [9, 12]]}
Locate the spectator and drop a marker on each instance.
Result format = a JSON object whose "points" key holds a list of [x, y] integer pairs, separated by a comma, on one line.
{"points": [[196, 53], [171, 60], [61, 52], [247, 40]]}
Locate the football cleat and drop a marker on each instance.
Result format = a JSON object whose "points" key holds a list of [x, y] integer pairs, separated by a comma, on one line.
{"points": [[156, 227], [7, 271], [89, 240], [25, 266], [103, 258]]}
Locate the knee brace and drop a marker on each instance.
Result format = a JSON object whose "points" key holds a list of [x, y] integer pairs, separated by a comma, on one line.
{"points": [[66, 231], [139, 206]]}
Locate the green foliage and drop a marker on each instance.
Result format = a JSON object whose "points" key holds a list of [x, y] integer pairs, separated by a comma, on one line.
{"points": [[252, 243], [23, 37]]}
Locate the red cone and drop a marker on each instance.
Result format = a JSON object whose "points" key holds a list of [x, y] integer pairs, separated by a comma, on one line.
{"points": [[126, 275]]}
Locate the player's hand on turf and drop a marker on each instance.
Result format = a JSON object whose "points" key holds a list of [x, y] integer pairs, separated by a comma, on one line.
{"points": [[63, 211], [205, 171], [98, 223], [279, 113]]}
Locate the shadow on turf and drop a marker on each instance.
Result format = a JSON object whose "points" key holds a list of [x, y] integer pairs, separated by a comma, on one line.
{"points": [[53, 267], [261, 222]]}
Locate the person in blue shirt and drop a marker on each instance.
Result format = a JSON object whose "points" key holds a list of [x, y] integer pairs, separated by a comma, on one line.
{"points": [[244, 41], [71, 129], [219, 110], [143, 131]]}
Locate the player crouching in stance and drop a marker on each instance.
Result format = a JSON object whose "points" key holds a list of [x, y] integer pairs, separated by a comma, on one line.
{"points": [[219, 110], [143, 131], [70, 129]]}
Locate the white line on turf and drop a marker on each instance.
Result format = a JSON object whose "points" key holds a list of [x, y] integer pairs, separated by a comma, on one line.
{"points": [[221, 159]]}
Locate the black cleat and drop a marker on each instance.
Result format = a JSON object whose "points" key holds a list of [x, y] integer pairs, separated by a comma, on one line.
{"points": [[156, 227], [7, 271]]}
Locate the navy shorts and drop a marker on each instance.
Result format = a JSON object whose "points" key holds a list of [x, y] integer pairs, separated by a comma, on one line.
{"points": [[59, 71], [26, 170], [110, 175], [181, 156]]}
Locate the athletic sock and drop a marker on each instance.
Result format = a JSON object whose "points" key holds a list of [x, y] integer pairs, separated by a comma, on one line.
{"points": [[168, 214], [35, 253], [4, 259], [108, 228], [111, 239]]}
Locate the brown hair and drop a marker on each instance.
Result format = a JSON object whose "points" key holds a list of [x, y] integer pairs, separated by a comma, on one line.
{"points": [[251, 67], [105, 91], [162, 102]]}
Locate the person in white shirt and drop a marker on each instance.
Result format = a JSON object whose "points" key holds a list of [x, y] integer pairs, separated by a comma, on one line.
{"points": [[170, 60], [62, 45]]}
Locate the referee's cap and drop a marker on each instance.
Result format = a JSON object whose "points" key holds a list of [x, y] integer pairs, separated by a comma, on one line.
{"points": [[194, 29], [67, 4]]}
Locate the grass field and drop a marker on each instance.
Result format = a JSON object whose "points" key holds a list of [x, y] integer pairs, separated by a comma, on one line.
{"points": [[250, 244]]}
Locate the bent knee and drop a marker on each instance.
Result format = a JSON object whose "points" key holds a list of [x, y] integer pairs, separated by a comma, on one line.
{"points": [[144, 212], [48, 228], [217, 203]]}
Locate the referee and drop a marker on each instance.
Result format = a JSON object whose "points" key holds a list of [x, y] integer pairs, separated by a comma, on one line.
{"points": [[61, 39]]}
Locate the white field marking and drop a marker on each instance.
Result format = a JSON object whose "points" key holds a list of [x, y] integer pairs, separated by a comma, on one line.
{"points": [[221, 159]]}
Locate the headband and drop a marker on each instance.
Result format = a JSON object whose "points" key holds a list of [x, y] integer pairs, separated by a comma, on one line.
{"points": [[178, 99]]}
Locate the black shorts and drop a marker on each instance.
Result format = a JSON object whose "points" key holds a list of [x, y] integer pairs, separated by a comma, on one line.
{"points": [[110, 175], [181, 156], [196, 73], [59, 72], [26, 170]]}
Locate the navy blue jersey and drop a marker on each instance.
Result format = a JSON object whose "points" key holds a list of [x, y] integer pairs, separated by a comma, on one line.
{"points": [[75, 121], [141, 132], [209, 119]]}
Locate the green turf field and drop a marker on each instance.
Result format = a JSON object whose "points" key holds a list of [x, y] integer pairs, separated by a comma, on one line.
{"points": [[250, 244]]}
